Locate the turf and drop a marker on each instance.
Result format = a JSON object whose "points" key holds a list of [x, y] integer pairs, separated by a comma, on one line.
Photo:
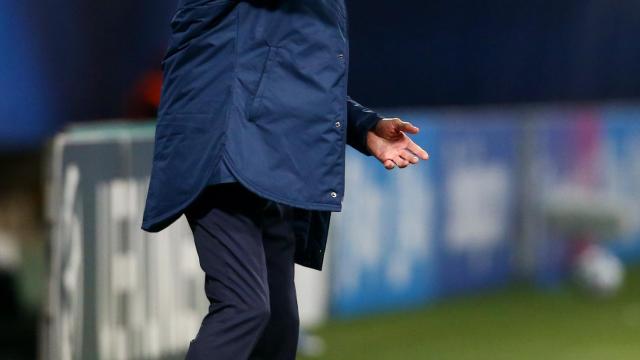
{"points": [[518, 323]]}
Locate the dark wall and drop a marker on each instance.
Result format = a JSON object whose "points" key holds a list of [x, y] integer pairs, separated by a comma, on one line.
{"points": [[436, 52], [78, 60], [96, 50], [73, 60]]}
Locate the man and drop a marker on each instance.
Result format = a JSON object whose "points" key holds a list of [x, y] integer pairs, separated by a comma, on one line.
{"points": [[250, 145]]}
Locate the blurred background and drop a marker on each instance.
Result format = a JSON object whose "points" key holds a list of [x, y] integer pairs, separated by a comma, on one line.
{"points": [[520, 238]]}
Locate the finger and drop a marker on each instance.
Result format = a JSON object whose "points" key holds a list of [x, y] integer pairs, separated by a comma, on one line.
{"points": [[400, 162], [408, 127], [389, 165], [414, 148], [409, 156]]}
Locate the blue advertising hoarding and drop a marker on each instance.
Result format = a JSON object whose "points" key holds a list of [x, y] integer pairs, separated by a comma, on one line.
{"points": [[382, 243], [553, 164], [477, 190], [621, 171], [586, 171], [407, 237]]}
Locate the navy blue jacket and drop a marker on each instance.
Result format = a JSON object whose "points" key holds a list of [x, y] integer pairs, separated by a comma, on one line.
{"points": [[260, 85]]}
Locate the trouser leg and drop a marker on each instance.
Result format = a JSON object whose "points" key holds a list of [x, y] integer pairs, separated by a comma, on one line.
{"points": [[279, 340], [227, 224]]}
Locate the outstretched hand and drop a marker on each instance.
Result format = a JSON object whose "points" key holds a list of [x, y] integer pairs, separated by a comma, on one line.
{"points": [[389, 143]]}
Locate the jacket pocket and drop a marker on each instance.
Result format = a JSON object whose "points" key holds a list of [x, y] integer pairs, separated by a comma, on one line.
{"points": [[256, 103], [295, 88]]}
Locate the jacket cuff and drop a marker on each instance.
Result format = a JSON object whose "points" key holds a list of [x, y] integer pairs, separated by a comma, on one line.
{"points": [[360, 121]]}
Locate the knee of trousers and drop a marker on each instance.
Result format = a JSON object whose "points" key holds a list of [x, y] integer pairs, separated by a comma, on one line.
{"points": [[257, 312]]}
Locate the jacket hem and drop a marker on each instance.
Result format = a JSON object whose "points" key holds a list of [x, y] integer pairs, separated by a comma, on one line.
{"points": [[161, 222], [277, 198]]}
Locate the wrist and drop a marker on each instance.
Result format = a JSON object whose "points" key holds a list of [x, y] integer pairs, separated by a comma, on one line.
{"points": [[370, 141]]}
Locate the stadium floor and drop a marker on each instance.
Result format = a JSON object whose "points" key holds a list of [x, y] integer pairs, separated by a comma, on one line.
{"points": [[519, 323]]}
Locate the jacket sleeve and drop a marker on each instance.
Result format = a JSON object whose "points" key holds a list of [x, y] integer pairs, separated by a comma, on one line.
{"points": [[359, 121]]}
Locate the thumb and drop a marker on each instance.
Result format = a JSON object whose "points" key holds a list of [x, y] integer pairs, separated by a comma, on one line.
{"points": [[407, 127]]}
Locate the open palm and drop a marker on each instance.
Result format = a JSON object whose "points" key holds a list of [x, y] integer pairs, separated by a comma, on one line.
{"points": [[389, 143]]}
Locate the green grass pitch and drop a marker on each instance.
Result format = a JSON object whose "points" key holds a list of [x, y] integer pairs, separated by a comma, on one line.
{"points": [[519, 323]]}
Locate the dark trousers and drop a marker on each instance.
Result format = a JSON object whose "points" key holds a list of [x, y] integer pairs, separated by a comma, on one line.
{"points": [[246, 248]]}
